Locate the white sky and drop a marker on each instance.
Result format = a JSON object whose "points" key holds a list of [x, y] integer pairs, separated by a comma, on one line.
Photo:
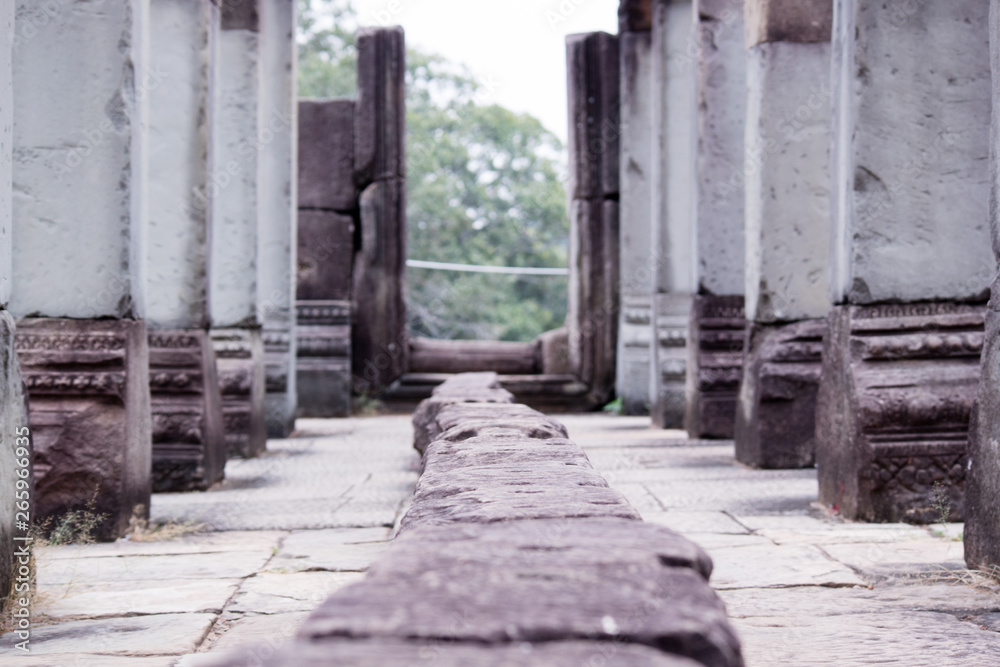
{"points": [[514, 47]]}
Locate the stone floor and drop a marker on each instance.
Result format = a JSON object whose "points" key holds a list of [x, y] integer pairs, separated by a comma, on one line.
{"points": [[285, 530]]}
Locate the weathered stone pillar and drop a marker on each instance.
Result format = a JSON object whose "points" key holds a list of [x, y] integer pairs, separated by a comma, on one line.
{"points": [[16, 488], [912, 258], [235, 253], [715, 352], [787, 229], [276, 200], [189, 449], [982, 511], [327, 210], [635, 331], [594, 132], [79, 225], [379, 339], [673, 243]]}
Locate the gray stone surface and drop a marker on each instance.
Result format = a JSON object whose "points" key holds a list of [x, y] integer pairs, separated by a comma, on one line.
{"points": [[714, 366], [777, 404], [6, 150], [326, 155], [323, 366], [234, 292], [334, 473], [88, 389], [719, 157], [280, 593], [129, 597], [79, 166], [911, 153], [166, 568], [594, 122], [469, 419], [160, 634], [982, 530], [325, 255], [669, 361], [331, 550], [769, 566], [179, 181]]}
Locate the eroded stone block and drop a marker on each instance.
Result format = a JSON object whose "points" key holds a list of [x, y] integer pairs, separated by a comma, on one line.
{"points": [[380, 110], [239, 357], [189, 444], [715, 366], [898, 386], [788, 21], [326, 155], [776, 412], [88, 384]]}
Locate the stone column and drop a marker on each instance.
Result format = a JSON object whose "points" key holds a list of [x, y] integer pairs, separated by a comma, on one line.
{"points": [[715, 353], [787, 229], [328, 205], [235, 254], [277, 202], [379, 341], [635, 332], [912, 258], [594, 130], [673, 243], [16, 488], [982, 510], [80, 218], [189, 448]]}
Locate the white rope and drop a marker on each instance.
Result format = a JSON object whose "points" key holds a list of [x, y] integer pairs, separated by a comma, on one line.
{"points": [[471, 268]]}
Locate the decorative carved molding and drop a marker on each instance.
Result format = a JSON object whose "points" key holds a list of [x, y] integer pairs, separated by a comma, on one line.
{"points": [[70, 342], [88, 383]]}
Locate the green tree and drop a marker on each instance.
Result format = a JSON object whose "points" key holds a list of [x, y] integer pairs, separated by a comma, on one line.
{"points": [[483, 187]]}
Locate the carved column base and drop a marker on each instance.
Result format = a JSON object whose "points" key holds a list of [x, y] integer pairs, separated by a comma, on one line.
{"points": [[324, 358], [899, 382], [189, 444], [982, 510], [88, 386], [634, 339], [715, 365], [776, 410], [16, 492], [672, 319], [239, 357], [279, 400]]}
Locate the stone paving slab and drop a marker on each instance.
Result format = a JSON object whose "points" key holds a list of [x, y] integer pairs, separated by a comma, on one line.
{"points": [[930, 559], [315, 551], [912, 639], [246, 631], [198, 543], [366, 653], [233, 564], [742, 496], [126, 598], [161, 634], [273, 593], [92, 660], [685, 522], [955, 599], [810, 530], [778, 566]]}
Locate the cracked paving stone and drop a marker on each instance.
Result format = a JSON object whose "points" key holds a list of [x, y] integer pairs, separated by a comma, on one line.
{"points": [[777, 566], [125, 598], [160, 634], [271, 593]]}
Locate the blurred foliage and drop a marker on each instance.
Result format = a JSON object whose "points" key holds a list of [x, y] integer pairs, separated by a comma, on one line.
{"points": [[484, 187]]}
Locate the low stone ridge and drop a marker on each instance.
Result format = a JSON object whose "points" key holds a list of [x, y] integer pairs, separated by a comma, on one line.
{"points": [[515, 551], [365, 652]]}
